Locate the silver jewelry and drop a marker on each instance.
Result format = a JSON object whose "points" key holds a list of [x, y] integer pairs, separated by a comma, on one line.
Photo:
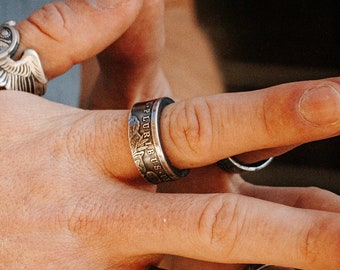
{"points": [[232, 166], [145, 142], [25, 74], [264, 267], [257, 267]]}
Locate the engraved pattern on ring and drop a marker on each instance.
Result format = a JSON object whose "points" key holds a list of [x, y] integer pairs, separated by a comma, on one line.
{"points": [[142, 147], [26, 74], [9, 40], [5, 39], [145, 143]]}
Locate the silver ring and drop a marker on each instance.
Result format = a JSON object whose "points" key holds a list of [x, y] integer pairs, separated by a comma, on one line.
{"points": [[230, 165], [263, 267], [257, 267], [145, 142], [25, 74]]}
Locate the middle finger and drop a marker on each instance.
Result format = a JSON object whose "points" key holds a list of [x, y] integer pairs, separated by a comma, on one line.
{"points": [[204, 130]]}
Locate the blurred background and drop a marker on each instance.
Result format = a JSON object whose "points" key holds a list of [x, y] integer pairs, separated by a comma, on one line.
{"points": [[265, 43]]}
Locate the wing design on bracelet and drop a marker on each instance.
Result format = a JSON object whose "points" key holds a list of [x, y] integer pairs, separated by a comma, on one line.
{"points": [[25, 74]]}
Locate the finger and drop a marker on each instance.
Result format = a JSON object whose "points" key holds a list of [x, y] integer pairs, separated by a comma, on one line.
{"points": [[68, 32], [143, 42], [181, 263], [283, 123], [202, 130], [233, 229], [130, 67], [309, 198], [209, 179], [263, 154]]}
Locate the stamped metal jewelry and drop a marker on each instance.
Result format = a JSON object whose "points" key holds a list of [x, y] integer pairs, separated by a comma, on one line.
{"points": [[145, 142], [25, 74], [230, 165]]}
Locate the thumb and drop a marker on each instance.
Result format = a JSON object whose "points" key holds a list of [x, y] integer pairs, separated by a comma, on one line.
{"points": [[66, 33]]}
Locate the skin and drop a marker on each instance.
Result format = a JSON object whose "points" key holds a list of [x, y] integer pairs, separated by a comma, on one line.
{"points": [[75, 198]]}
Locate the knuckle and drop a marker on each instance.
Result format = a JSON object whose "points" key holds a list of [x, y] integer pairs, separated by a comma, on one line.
{"points": [[218, 225], [321, 244], [79, 138], [309, 249], [84, 218], [84, 143], [277, 118], [51, 20], [267, 118], [307, 195], [67, 146], [191, 126]]}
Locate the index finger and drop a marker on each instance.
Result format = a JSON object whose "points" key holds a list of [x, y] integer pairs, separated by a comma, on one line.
{"points": [[203, 130]]}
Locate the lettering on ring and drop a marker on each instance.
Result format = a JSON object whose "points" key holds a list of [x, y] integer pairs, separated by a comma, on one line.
{"points": [[143, 149]]}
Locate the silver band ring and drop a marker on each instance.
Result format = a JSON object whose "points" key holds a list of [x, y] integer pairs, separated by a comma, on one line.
{"points": [[230, 165], [25, 74], [257, 267], [264, 267], [145, 142]]}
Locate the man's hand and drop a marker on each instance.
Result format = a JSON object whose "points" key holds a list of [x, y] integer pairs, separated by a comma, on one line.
{"points": [[71, 196]]}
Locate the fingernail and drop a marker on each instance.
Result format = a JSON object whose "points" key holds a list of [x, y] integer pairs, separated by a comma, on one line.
{"points": [[321, 106], [103, 4]]}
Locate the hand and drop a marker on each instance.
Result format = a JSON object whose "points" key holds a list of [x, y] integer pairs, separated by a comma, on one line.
{"points": [[72, 29], [128, 73], [128, 174], [68, 176]]}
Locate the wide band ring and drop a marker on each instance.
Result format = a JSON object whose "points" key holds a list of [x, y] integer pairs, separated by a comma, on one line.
{"points": [[25, 74], [145, 142], [230, 165]]}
